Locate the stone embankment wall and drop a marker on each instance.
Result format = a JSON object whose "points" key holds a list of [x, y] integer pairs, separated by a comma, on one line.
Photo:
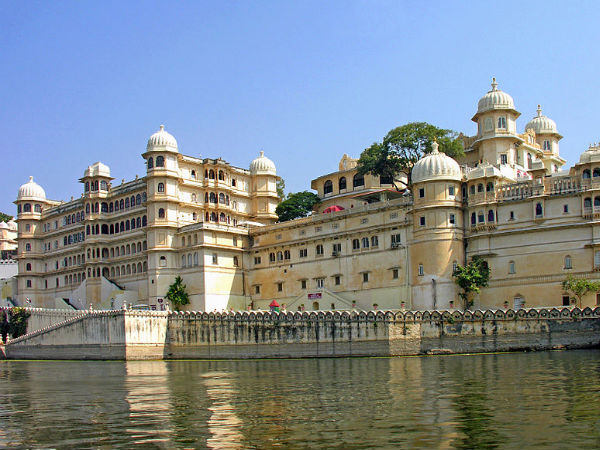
{"points": [[190, 335]]}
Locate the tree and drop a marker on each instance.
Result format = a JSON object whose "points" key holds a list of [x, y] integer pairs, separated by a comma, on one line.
{"points": [[471, 278], [297, 205], [403, 146], [579, 287], [280, 186], [177, 294], [5, 217]]}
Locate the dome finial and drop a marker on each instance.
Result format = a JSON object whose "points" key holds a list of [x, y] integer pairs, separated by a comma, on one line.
{"points": [[539, 111], [162, 127], [494, 84], [434, 147], [30, 178], [262, 153]]}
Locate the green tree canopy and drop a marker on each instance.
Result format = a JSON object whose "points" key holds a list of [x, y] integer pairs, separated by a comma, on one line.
{"points": [[177, 294], [471, 278], [403, 146], [280, 186], [579, 287], [5, 217], [297, 205]]}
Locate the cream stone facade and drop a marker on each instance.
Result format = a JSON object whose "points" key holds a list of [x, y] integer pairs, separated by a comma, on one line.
{"points": [[366, 245]]}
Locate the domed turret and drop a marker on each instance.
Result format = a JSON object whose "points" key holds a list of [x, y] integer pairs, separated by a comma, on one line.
{"points": [[542, 124], [592, 154], [495, 100], [31, 191], [162, 140], [262, 166], [97, 170], [3, 226], [436, 166], [12, 225]]}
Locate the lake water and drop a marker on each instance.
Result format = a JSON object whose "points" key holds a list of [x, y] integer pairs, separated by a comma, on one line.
{"points": [[543, 400]]}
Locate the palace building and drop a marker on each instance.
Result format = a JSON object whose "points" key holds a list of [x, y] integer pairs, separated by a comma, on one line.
{"points": [[366, 245]]}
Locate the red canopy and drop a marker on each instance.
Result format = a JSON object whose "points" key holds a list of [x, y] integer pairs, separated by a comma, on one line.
{"points": [[274, 304], [333, 209]]}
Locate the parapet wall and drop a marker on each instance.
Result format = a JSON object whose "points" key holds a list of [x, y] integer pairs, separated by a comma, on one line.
{"points": [[246, 335]]}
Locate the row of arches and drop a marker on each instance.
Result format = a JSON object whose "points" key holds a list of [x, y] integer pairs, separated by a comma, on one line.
{"points": [[118, 227], [128, 269], [117, 205], [587, 173], [73, 218], [94, 185], [358, 180], [489, 187], [480, 217], [160, 162], [587, 202], [117, 251], [27, 208]]}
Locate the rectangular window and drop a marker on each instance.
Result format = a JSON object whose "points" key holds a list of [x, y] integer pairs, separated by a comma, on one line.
{"points": [[303, 252], [395, 274], [512, 215], [450, 190], [303, 284], [421, 270], [320, 282], [365, 277], [256, 260], [421, 192], [566, 301], [395, 240], [422, 221], [503, 159], [215, 258], [374, 241], [28, 283], [338, 280], [319, 250], [452, 219], [502, 122], [235, 241], [257, 289], [279, 287], [336, 249], [565, 209]]}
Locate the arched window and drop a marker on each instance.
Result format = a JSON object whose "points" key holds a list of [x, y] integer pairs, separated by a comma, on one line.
{"points": [[27, 247], [221, 175], [121, 204], [87, 208], [213, 197], [193, 174], [127, 225], [206, 174], [122, 227], [133, 224], [596, 172], [27, 207], [193, 198], [196, 259], [490, 215], [355, 244], [222, 218], [161, 187], [110, 208], [211, 174], [502, 122], [132, 201], [596, 201], [104, 185], [104, 207], [138, 222], [143, 196], [328, 187], [272, 257], [37, 208], [586, 173], [127, 203], [538, 209], [28, 267], [222, 198], [490, 187], [150, 163], [480, 217], [213, 217], [161, 213], [472, 189], [365, 242], [138, 199], [87, 186], [112, 229], [587, 202], [568, 263], [319, 249], [547, 145], [235, 261], [358, 180], [511, 267], [342, 183], [189, 259], [144, 221], [480, 187], [287, 254], [279, 256], [160, 161]]}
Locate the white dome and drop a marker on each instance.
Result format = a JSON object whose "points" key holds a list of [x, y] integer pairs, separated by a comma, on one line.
{"points": [[97, 169], [162, 139], [31, 190], [436, 166], [12, 225], [495, 99], [3, 226], [592, 154], [542, 124], [262, 166]]}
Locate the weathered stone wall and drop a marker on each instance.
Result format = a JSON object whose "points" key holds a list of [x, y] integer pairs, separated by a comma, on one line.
{"points": [[187, 335]]}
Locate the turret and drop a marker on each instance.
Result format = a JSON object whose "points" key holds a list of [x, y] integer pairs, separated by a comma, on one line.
{"points": [[437, 230], [264, 189]]}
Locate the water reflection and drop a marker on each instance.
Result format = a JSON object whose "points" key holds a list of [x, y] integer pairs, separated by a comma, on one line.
{"points": [[539, 400]]}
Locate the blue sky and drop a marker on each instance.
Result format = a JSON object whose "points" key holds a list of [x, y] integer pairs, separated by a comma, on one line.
{"points": [[305, 81]]}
